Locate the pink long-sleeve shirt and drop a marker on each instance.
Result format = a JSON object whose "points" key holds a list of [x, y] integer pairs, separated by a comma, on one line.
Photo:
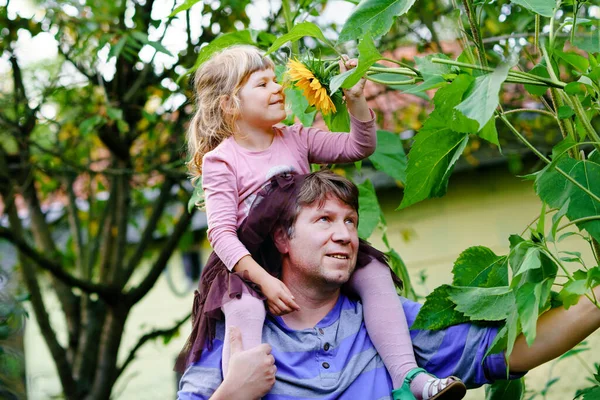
{"points": [[232, 175]]}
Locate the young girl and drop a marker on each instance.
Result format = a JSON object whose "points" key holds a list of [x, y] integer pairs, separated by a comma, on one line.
{"points": [[236, 147]]}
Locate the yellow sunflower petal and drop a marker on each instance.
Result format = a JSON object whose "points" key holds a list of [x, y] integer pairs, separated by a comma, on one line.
{"points": [[312, 89]]}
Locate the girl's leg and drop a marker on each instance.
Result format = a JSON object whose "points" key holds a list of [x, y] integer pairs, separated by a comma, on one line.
{"points": [[248, 315], [386, 323]]}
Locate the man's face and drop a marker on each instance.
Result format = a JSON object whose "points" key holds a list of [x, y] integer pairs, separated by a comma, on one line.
{"points": [[324, 243]]}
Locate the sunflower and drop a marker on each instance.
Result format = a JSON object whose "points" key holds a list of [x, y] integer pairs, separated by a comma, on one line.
{"points": [[313, 89]]}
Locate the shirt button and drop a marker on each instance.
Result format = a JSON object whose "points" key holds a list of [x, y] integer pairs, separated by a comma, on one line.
{"points": [[326, 365], [326, 347], [321, 331]]}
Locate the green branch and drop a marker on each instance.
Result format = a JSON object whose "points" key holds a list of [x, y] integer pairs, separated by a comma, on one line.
{"points": [[546, 160]]}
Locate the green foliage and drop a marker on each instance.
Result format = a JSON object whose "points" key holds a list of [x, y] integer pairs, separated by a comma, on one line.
{"points": [[297, 32], [480, 267], [389, 156], [482, 99], [502, 390], [367, 56], [438, 145], [544, 8], [373, 17], [555, 190], [369, 210], [439, 311]]}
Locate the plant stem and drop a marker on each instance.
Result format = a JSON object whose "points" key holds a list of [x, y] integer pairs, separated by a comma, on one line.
{"points": [[515, 74], [392, 83], [546, 160], [578, 107], [475, 31], [536, 39], [595, 249], [575, 10], [565, 126], [533, 110], [399, 71], [577, 221], [289, 24], [400, 63]]}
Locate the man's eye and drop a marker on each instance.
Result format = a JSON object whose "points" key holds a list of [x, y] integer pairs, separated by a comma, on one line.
{"points": [[351, 221], [324, 218], [262, 84]]}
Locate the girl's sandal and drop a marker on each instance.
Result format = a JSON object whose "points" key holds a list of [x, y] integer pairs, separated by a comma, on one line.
{"points": [[450, 388]]}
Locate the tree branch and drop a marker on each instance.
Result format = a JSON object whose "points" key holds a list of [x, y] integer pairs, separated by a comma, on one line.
{"points": [[104, 291], [150, 336], [137, 293], [157, 212], [78, 67], [75, 224], [30, 279]]}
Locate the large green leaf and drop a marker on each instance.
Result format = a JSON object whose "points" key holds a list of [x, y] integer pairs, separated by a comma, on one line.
{"points": [[367, 56], [220, 43], [555, 190], [483, 304], [399, 268], [479, 267], [429, 69], [438, 312], [489, 132], [369, 210], [589, 43], [513, 389], [541, 71], [543, 7], [340, 120], [299, 104], [483, 98], [389, 156], [438, 145], [374, 17], [574, 289], [298, 32], [528, 298]]}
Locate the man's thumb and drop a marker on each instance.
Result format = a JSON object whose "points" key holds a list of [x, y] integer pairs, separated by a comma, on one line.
{"points": [[235, 340]]}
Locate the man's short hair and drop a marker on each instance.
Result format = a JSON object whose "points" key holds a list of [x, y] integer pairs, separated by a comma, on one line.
{"points": [[316, 188]]}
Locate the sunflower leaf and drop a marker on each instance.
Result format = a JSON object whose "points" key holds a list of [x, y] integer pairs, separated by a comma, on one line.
{"points": [[483, 99], [369, 210], [544, 8], [223, 41], [438, 145], [298, 32], [555, 190], [389, 155], [367, 56], [374, 17]]}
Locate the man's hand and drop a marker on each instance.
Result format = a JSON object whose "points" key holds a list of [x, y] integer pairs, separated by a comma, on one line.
{"points": [[251, 373], [279, 298]]}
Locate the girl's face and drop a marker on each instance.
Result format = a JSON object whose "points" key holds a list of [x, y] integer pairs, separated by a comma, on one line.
{"points": [[262, 102]]}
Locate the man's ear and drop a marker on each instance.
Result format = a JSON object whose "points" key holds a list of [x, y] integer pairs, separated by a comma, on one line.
{"points": [[281, 240]]}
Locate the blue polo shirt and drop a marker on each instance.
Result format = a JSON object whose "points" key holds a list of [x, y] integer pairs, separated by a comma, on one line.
{"points": [[337, 360]]}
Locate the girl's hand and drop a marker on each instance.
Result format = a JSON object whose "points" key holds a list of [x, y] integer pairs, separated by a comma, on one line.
{"points": [[355, 91], [279, 298]]}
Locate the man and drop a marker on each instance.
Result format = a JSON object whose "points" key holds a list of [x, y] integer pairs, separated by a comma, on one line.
{"points": [[323, 351]]}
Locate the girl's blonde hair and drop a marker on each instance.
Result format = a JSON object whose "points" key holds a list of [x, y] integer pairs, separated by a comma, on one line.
{"points": [[217, 84]]}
